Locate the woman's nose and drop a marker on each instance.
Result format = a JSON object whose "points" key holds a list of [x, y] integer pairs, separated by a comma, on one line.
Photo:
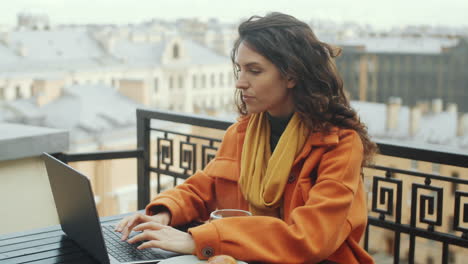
{"points": [[241, 83]]}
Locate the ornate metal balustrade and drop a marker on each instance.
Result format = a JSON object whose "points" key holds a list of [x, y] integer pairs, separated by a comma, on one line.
{"points": [[406, 205], [418, 205]]}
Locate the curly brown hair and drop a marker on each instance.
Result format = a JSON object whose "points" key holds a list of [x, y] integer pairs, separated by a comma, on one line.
{"points": [[319, 96]]}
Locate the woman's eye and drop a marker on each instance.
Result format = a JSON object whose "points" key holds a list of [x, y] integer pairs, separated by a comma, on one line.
{"points": [[255, 71]]}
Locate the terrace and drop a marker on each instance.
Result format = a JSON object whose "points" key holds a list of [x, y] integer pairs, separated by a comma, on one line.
{"points": [[416, 214]]}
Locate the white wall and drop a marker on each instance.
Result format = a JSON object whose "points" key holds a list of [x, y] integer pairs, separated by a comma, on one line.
{"points": [[26, 201]]}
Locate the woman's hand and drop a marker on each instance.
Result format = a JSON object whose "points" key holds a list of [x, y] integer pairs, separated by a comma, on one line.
{"points": [[164, 237], [127, 224]]}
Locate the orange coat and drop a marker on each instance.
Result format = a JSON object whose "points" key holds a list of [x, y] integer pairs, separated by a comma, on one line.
{"points": [[323, 216]]}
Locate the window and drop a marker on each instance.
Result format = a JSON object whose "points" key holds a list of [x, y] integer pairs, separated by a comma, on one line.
{"points": [[230, 78], [171, 82], [213, 82], [2, 93], [221, 79], [181, 82], [194, 81], [414, 164], [175, 51], [156, 85], [203, 81], [17, 92]]}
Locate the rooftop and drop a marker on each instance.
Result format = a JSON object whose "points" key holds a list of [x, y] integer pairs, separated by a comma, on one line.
{"points": [[62, 50], [21, 141]]}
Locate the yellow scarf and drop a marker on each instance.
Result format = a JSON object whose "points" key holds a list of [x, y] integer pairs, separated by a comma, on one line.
{"points": [[263, 176]]}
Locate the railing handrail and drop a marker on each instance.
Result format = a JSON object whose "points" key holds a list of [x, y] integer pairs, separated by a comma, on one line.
{"points": [[184, 118], [99, 155], [444, 156], [419, 152]]}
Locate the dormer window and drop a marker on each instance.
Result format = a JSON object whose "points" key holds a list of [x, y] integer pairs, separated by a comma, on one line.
{"points": [[18, 94], [175, 51]]}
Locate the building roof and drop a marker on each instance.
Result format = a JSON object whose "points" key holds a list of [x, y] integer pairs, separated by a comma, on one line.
{"points": [[51, 51], [436, 129], [91, 108], [61, 50], [20, 141], [84, 110], [394, 44], [150, 53]]}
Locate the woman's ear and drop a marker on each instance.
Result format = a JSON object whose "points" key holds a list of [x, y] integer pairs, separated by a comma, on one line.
{"points": [[291, 82]]}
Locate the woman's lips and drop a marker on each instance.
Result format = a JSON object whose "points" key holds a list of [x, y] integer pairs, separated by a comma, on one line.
{"points": [[247, 98]]}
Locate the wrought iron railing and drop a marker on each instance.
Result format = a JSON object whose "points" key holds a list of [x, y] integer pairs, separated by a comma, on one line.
{"points": [[402, 202]]}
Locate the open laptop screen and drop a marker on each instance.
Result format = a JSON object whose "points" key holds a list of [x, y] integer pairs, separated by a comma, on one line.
{"points": [[76, 207]]}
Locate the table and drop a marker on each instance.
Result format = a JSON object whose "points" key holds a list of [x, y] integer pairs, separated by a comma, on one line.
{"points": [[45, 245], [50, 245]]}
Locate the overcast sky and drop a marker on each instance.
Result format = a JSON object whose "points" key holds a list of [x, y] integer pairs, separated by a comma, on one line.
{"points": [[380, 14]]}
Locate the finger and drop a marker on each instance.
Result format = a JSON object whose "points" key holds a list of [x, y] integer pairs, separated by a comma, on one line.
{"points": [[121, 224], [128, 225], [149, 225], [146, 218], [127, 229], [135, 219], [150, 244], [147, 235], [126, 232], [126, 221]]}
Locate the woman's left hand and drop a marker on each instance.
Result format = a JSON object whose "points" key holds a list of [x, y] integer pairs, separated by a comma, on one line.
{"points": [[164, 237]]}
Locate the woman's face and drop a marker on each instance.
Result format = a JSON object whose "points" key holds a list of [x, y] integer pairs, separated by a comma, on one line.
{"points": [[262, 85]]}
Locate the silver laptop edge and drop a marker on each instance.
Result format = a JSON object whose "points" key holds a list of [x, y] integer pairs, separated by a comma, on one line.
{"points": [[76, 209]]}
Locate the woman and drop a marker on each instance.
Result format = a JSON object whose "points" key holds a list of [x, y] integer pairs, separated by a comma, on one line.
{"points": [[293, 159]]}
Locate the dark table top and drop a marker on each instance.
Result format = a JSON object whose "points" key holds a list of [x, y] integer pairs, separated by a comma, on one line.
{"points": [[45, 245]]}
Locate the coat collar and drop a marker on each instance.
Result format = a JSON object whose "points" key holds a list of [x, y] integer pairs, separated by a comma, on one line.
{"points": [[316, 139]]}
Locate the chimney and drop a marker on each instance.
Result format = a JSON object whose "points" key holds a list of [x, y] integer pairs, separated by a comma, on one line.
{"points": [[135, 89], [393, 110], [437, 106], [5, 38], [46, 91], [109, 44], [415, 118], [462, 126], [22, 50], [452, 108], [423, 106]]}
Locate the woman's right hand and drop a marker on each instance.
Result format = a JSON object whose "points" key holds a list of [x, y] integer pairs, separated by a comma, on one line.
{"points": [[127, 224]]}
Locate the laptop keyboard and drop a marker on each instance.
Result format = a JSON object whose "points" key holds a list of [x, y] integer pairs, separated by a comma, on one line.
{"points": [[123, 251]]}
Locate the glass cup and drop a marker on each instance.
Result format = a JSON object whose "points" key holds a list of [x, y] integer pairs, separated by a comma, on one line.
{"points": [[223, 213]]}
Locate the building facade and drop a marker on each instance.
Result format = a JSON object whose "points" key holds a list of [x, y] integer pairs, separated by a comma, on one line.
{"points": [[415, 69]]}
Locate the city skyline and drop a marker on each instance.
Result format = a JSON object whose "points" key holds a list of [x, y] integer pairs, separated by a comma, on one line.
{"points": [[382, 15]]}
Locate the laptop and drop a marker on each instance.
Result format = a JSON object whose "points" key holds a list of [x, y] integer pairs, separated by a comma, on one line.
{"points": [[79, 219]]}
